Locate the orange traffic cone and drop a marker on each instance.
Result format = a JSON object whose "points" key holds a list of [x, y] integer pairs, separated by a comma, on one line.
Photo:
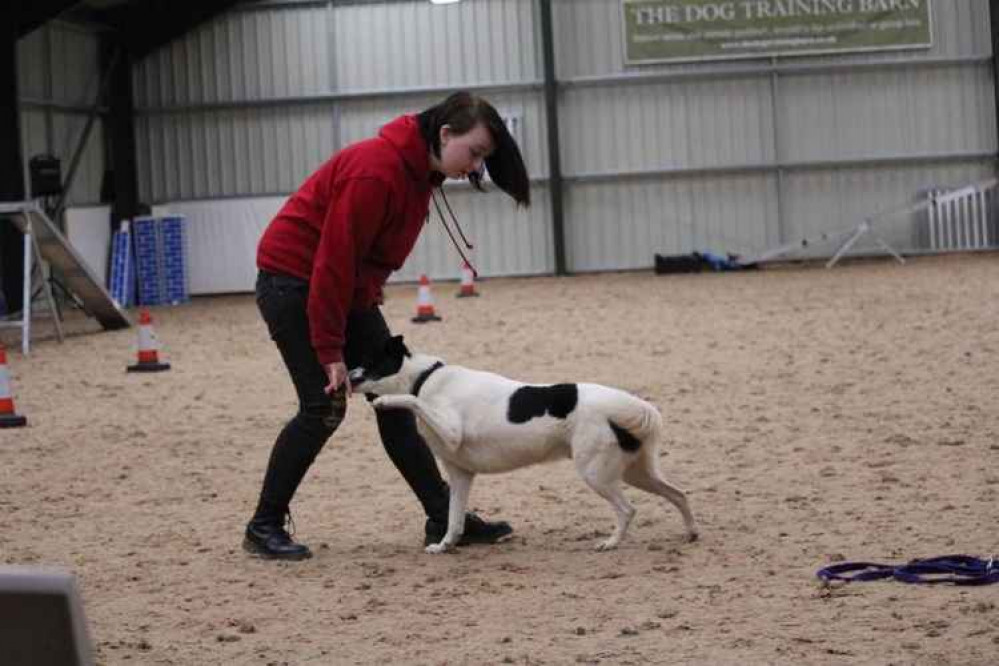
{"points": [[467, 282], [149, 347], [8, 417], [424, 303]]}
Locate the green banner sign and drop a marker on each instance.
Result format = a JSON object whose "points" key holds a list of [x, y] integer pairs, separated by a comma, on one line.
{"points": [[687, 30]]}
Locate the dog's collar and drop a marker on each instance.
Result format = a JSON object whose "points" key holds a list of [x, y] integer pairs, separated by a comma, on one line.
{"points": [[424, 376]]}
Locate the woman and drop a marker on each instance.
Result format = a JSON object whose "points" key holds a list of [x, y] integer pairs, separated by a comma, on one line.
{"points": [[323, 261]]}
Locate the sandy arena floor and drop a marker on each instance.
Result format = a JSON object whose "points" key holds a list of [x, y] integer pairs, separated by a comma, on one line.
{"points": [[813, 415]]}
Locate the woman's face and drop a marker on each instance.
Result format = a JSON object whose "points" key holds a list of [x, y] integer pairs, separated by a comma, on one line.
{"points": [[462, 154]]}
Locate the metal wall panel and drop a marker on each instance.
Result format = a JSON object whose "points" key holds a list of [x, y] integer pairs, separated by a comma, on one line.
{"points": [[68, 130], [673, 144], [887, 112], [613, 226], [32, 61], [59, 75], [732, 157], [75, 66], [589, 35], [226, 153], [417, 44], [666, 125], [240, 56], [252, 102]]}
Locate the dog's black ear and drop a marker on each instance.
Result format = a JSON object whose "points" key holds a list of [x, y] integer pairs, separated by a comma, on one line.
{"points": [[394, 346]]}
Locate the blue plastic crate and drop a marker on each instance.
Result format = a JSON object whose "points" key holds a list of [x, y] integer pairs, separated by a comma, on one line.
{"points": [[173, 238], [122, 281], [161, 260], [147, 260]]}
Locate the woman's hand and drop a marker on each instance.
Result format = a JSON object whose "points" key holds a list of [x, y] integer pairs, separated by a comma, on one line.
{"points": [[337, 374]]}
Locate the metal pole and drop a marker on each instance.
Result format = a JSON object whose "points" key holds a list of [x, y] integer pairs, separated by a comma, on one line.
{"points": [[994, 21], [775, 122], [554, 149], [11, 152], [26, 290]]}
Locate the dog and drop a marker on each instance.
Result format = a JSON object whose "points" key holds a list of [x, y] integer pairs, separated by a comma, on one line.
{"points": [[481, 423]]}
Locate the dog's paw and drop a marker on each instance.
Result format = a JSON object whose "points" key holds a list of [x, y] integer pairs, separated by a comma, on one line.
{"points": [[437, 548], [393, 402], [609, 544]]}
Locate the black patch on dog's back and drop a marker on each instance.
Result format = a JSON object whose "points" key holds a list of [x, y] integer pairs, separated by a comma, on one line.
{"points": [[625, 439], [531, 402]]}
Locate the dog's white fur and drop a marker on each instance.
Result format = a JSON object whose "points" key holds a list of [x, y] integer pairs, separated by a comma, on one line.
{"points": [[462, 415]]}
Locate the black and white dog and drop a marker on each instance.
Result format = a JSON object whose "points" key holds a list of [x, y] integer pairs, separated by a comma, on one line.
{"points": [[479, 422]]}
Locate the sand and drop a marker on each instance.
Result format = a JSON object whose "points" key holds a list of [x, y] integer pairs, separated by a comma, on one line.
{"points": [[813, 415]]}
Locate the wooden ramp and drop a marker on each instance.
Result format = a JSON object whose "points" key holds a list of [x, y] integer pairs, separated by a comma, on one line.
{"points": [[49, 244]]}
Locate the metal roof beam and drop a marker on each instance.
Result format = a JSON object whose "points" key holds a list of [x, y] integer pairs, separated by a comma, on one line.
{"points": [[34, 14], [144, 27]]}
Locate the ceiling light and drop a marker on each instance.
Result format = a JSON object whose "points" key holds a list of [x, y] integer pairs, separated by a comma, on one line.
{"points": [[443, 2]]}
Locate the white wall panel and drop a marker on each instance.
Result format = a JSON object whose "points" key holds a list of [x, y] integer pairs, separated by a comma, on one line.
{"points": [[222, 239], [88, 230], [223, 236]]}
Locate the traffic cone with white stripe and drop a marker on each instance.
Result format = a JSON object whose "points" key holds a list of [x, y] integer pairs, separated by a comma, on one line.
{"points": [[424, 303], [467, 282], [149, 347], [8, 417]]}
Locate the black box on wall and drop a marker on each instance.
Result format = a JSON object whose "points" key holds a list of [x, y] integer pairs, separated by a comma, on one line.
{"points": [[46, 176]]}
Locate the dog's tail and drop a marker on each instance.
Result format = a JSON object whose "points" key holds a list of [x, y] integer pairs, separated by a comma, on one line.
{"points": [[635, 422]]}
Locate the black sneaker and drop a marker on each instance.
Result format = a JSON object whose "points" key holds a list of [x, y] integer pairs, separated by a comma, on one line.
{"points": [[477, 530], [271, 541]]}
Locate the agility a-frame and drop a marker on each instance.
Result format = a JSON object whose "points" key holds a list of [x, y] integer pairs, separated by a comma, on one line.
{"points": [[846, 239], [43, 241]]}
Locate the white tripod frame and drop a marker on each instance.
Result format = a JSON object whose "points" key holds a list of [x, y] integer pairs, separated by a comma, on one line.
{"points": [[33, 258]]}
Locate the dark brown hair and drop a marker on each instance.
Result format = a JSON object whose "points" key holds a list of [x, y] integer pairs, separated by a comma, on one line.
{"points": [[462, 111]]}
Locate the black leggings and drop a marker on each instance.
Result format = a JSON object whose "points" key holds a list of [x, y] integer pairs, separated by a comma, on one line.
{"points": [[282, 301]]}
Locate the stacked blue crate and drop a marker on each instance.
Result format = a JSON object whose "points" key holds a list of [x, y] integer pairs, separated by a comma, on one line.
{"points": [[122, 264], [173, 243], [161, 260], [147, 260]]}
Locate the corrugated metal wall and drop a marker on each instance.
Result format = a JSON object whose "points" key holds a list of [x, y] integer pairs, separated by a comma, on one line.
{"points": [[250, 104], [58, 78], [738, 156], [748, 155]]}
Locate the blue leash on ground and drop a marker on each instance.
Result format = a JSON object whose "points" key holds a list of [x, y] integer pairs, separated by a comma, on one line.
{"points": [[954, 569]]}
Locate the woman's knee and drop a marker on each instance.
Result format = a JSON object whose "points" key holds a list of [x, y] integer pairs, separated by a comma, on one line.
{"points": [[323, 417]]}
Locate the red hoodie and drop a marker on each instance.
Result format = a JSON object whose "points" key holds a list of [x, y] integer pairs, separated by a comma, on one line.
{"points": [[351, 224]]}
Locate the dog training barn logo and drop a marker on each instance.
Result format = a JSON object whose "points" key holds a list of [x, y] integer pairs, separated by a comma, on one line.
{"points": [[658, 31]]}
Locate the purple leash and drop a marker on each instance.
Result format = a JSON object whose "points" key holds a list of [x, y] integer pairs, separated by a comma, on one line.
{"points": [[954, 569]]}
